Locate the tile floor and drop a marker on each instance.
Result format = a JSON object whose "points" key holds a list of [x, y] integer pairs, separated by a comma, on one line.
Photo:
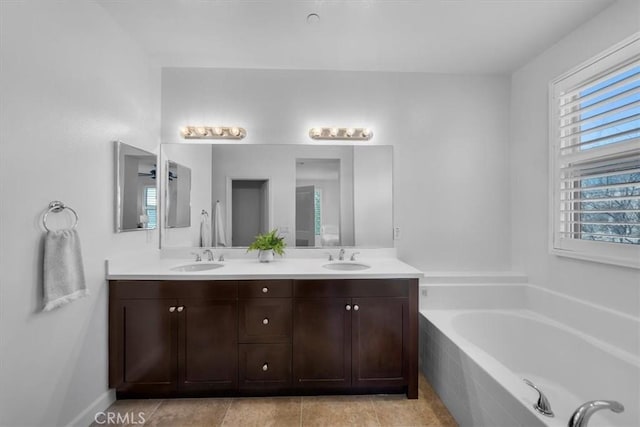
{"points": [[369, 410]]}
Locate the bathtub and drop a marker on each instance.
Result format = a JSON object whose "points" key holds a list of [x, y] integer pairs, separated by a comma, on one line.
{"points": [[478, 341]]}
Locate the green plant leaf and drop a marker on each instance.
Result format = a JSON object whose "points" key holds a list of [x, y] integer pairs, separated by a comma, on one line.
{"points": [[268, 241]]}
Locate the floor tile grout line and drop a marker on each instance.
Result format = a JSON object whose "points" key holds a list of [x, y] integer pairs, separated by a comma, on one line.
{"points": [[226, 411], [155, 409], [375, 411]]}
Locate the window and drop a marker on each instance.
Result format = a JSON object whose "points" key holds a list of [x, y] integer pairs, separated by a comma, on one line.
{"points": [[595, 158], [150, 206]]}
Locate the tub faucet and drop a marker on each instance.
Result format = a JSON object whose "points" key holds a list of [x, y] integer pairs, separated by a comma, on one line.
{"points": [[209, 254], [542, 405], [581, 416], [341, 255]]}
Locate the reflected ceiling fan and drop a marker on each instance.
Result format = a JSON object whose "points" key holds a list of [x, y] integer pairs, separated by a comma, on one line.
{"points": [[152, 174]]}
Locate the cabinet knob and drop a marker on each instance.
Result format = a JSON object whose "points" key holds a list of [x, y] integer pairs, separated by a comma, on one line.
{"points": [[355, 308], [265, 290], [265, 367], [182, 308], [172, 309], [348, 307], [265, 321]]}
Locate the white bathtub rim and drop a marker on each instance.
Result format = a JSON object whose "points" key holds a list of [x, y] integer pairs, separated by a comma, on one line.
{"points": [[505, 377], [625, 316], [529, 314]]}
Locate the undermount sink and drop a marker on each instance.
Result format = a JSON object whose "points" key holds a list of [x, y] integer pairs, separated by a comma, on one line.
{"points": [[196, 267], [346, 266]]}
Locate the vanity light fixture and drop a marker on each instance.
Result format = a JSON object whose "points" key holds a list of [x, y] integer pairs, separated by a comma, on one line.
{"points": [[216, 132], [359, 134]]}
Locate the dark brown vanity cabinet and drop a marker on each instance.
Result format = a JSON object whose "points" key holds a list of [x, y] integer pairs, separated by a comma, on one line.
{"points": [[354, 334], [171, 338]]}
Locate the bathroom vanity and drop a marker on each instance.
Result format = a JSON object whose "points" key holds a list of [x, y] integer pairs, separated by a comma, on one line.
{"points": [[277, 329]]}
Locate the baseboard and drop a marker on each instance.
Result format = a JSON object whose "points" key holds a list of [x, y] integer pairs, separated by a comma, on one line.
{"points": [[86, 417]]}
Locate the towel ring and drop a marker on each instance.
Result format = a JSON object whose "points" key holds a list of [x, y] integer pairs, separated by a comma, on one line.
{"points": [[55, 207]]}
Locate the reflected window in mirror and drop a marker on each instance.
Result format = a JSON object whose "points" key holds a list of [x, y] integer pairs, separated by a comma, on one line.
{"points": [[136, 188]]}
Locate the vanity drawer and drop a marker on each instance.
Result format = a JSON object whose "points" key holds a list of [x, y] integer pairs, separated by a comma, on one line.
{"points": [[265, 320], [264, 365], [345, 288], [265, 288]]}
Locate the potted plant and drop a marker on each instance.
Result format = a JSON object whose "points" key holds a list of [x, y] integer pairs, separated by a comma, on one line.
{"points": [[267, 244]]}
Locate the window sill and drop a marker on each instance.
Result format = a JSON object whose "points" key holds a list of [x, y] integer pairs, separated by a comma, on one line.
{"points": [[621, 262]]}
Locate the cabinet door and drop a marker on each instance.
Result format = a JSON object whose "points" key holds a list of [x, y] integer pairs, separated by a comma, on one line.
{"points": [[380, 337], [143, 345], [207, 345], [322, 343]]}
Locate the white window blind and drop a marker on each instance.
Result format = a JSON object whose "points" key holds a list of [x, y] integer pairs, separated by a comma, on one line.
{"points": [[151, 206], [595, 136]]}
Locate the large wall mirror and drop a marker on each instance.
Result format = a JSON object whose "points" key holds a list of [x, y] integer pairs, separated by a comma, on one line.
{"points": [[178, 195], [315, 195], [136, 188]]}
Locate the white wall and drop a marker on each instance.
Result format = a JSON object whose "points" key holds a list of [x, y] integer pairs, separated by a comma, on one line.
{"points": [[449, 132], [71, 83], [617, 288]]}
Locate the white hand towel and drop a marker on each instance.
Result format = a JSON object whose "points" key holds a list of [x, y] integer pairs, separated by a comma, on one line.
{"points": [[219, 227], [63, 271], [205, 232]]}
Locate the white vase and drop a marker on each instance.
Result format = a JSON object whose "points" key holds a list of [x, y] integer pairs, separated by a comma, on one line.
{"points": [[265, 256]]}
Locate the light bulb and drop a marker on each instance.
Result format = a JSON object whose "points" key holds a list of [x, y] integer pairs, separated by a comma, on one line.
{"points": [[186, 131], [333, 132], [366, 132], [316, 132], [235, 131], [349, 132], [217, 131]]}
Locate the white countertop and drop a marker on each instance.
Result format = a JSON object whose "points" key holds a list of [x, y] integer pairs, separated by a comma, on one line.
{"points": [[159, 268]]}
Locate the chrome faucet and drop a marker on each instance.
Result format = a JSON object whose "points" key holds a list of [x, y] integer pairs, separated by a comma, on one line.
{"points": [[353, 256], [330, 255], [341, 255], [581, 416], [542, 405], [198, 257], [209, 254]]}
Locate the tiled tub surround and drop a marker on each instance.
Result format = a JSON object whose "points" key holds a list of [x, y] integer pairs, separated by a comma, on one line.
{"points": [[477, 342]]}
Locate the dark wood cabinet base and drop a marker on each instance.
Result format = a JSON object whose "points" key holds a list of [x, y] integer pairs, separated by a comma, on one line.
{"points": [[263, 337]]}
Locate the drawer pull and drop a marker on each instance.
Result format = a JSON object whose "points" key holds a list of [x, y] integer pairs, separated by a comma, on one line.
{"points": [[180, 309], [265, 321], [265, 290], [356, 308], [348, 307], [265, 367], [172, 309]]}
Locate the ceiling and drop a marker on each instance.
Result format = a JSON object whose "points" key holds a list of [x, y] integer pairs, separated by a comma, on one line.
{"points": [[438, 36]]}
